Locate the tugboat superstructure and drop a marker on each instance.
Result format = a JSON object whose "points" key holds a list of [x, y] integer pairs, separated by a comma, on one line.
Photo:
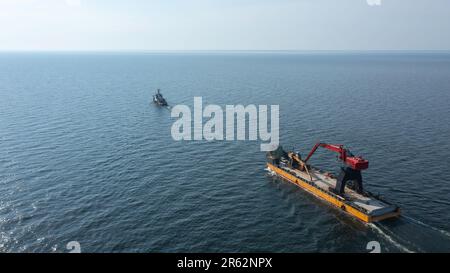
{"points": [[159, 99]]}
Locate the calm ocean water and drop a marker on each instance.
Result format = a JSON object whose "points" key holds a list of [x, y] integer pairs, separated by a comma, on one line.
{"points": [[85, 157]]}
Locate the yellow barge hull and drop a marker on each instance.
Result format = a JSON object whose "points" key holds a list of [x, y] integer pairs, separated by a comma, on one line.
{"points": [[354, 205]]}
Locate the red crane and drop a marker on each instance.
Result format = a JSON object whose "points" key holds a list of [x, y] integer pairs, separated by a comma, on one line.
{"points": [[355, 162]]}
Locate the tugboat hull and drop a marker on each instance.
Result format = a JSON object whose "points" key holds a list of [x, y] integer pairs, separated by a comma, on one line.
{"points": [[159, 99], [160, 103]]}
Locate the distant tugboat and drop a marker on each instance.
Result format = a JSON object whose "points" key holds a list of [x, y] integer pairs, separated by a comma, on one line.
{"points": [[159, 99]]}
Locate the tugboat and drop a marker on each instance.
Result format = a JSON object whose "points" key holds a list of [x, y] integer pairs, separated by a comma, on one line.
{"points": [[344, 191], [159, 99]]}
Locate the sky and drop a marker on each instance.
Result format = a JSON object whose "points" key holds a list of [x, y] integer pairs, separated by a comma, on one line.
{"points": [[121, 25]]}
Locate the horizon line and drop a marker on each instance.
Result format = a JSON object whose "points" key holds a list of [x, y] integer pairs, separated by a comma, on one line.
{"points": [[225, 51]]}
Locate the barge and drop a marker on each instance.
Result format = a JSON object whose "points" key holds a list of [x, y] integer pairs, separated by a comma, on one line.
{"points": [[344, 192]]}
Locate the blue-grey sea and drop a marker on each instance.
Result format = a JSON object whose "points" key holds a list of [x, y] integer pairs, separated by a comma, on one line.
{"points": [[85, 156]]}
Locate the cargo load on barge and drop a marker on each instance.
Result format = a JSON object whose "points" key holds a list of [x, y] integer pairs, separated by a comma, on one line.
{"points": [[344, 191]]}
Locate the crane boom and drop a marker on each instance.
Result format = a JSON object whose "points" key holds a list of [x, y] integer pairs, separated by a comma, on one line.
{"points": [[354, 162]]}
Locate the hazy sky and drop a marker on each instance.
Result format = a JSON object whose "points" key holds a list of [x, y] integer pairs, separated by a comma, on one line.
{"points": [[224, 25]]}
